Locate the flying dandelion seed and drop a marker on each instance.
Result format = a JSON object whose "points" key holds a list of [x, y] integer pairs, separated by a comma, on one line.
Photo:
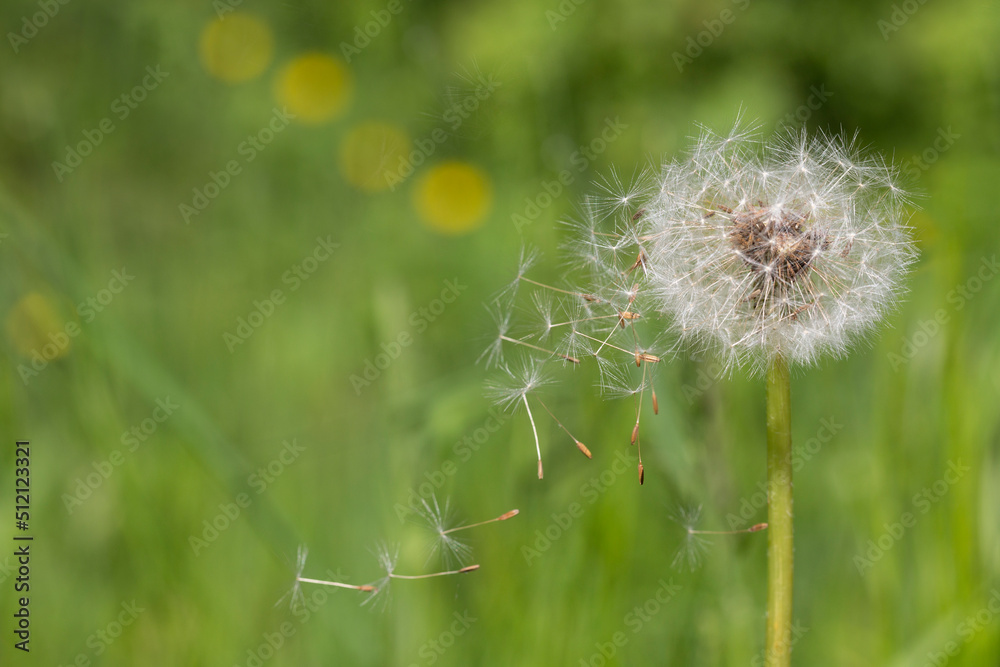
{"points": [[294, 595], [388, 556], [440, 520], [527, 260], [694, 546], [500, 314], [513, 392]]}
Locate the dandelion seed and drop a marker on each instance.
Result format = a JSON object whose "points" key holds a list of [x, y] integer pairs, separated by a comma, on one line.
{"points": [[524, 264], [441, 521], [500, 315], [573, 344], [297, 598], [387, 557], [514, 391], [695, 546], [363, 587], [543, 309], [534, 430], [507, 390], [517, 341], [618, 194], [462, 570], [617, 382], [510, 514]]}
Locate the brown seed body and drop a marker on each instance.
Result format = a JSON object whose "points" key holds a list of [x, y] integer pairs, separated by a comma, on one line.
{"points": [[776, 247]]}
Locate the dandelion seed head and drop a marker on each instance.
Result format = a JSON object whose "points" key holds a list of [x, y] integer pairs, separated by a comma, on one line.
{"points": [[794, 247]]}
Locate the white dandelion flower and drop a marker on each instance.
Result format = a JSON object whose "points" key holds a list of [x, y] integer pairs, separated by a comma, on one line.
{"points": [[795, 247]]}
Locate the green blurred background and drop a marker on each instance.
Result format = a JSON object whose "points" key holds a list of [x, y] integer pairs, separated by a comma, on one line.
{"points": [[919, 82]]}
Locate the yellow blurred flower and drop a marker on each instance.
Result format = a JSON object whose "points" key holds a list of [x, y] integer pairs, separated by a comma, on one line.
{"points": [[315, 87], [236, 48], [453, 197]]}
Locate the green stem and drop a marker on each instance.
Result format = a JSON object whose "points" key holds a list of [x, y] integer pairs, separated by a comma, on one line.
{"points": [[780, 550]]}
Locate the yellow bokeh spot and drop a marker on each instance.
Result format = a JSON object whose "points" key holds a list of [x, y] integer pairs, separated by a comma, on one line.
{"points": [[34, 326], [372, 154], [236, 47], [453, 197], [315, 87]]}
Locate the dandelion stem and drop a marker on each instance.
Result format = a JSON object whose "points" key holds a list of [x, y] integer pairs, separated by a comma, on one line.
{"points": [[779, 515]]}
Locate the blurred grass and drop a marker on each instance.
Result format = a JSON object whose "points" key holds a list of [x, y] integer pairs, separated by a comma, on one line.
{"points": [[291, 380]]}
